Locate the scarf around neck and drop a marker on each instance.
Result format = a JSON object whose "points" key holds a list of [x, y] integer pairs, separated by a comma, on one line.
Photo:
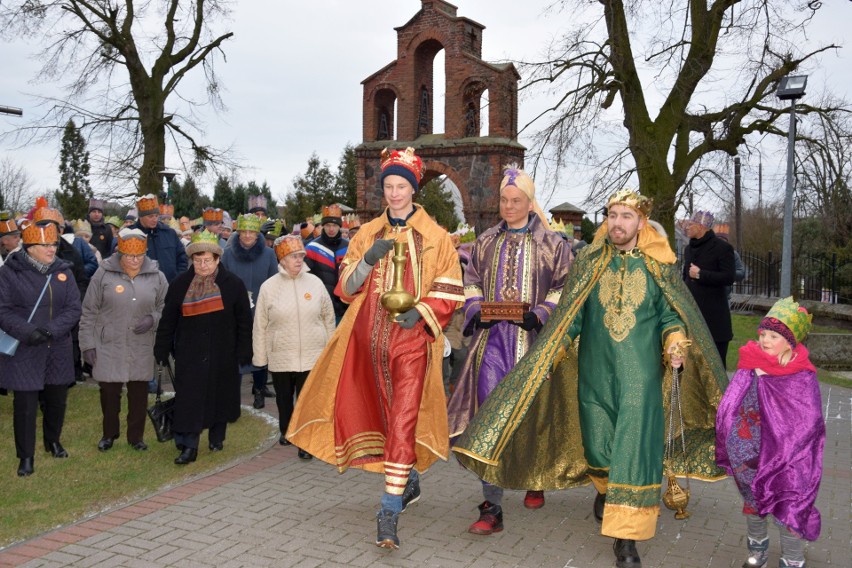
{"points": [[203, 296], [753, 357]]}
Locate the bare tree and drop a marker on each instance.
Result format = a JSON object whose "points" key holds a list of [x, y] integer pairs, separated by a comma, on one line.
{"points": [[694, 78], [124, 79], [16, 193]]}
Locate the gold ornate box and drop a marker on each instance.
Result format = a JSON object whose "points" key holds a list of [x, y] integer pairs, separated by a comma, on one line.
{"points": [[504, 311]]}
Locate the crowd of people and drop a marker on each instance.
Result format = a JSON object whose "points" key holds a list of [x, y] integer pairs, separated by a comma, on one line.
{"points": [[564, 378]]}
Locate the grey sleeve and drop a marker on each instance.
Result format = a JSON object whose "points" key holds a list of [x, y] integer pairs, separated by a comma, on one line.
{"points": [[359, 275]]}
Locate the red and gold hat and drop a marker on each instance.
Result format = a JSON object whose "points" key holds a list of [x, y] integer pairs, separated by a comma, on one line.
{"points": [[212, 215], [405, 164], [35, 234], [46, 214], [167, 209], [288, 244], [148, 205], [132, 242]]}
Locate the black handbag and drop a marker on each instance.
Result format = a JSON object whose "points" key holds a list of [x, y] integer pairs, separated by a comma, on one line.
{"points": [[162, 411]]}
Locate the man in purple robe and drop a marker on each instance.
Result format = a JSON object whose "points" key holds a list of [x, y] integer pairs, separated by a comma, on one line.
{"points": [[518, 260]]}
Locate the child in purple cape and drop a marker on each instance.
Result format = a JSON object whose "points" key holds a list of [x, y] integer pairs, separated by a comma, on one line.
{"points": [[770, 435]]}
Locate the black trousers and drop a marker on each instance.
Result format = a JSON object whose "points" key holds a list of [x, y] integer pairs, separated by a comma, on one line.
{"points": [[25, 409], [722, 347], [215, 435], [287, 385], [137, 406]]}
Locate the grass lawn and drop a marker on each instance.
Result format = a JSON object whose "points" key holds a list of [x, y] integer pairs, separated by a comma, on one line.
{"points": [[62, 491], [745, 329]]}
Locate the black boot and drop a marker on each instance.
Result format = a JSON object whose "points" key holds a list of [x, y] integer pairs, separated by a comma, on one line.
{"points": [[56, 449], [25, 468], [598, 508], [626, 555], [259, 401], [188, 455]]}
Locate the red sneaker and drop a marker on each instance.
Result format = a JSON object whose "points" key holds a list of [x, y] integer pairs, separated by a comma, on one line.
{"points": [[534, 500], [490, 519]]}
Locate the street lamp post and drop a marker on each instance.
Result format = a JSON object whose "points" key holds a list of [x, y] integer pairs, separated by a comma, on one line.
{"points": [[168, 176], [791, 88]]}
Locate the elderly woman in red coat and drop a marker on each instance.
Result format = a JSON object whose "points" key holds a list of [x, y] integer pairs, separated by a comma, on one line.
{"points": [[206, 325]]}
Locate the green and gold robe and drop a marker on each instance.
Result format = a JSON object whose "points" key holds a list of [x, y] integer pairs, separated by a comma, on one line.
{"points": [[597, 377]]}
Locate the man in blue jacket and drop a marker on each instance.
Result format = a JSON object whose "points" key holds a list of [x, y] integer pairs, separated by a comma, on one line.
{"points": [[164, 244]]}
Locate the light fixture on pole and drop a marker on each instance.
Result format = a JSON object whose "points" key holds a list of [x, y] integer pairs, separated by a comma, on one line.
{"points": [[791, 88], [168, 176]]}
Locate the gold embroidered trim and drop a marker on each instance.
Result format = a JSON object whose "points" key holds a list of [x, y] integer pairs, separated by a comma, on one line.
{"points": [[620, 293]]}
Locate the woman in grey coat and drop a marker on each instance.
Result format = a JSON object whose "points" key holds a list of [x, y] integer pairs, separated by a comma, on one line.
{"points": [[120, 315], [43, 362]]}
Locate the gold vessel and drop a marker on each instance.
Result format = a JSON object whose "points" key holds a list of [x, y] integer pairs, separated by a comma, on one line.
{"points": [[676, 498], [398, 300]]}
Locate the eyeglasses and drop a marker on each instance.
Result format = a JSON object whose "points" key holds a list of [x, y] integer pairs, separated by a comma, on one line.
{"points": [[52, 245], [204, 261], [134, 256]]}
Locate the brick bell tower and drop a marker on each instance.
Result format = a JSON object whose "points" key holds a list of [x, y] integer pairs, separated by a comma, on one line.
{"points": [[398, 105]]}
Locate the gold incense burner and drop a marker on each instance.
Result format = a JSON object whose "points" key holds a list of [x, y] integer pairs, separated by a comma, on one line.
{"points": [[676, 498]]}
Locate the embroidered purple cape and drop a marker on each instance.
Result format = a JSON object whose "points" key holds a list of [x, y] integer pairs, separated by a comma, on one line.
{"points": [[534, 263], [770, 435]]}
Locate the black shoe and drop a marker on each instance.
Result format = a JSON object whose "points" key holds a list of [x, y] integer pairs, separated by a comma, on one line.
{"points": [[626, 555], [411, 494], [216, 447], [305, 455], [139, 446], [490, 519], [386, 521], [600, 501], [56, 449], [259, 401], [284, 441], [25, 468], [105, 444], [188, 455]]}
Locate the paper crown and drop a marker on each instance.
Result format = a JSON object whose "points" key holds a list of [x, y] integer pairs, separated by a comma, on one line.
{"points": [[184, 223], [204, 241], [114, 221], [332, 214], [81, 227], [307, 229], [406, 164], [721, 229], [167, 209], [633, 199], [8, 227], [132, 242], [702, 218], [34, 234], [795, 320], [557, 226], [249, 222], [272, 228], [148, 205], [256, 203], [98, 204], [212, 215], [45, 214], [288, 244]]}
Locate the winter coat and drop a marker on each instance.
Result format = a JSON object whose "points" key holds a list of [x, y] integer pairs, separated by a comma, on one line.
{"points": [[323, 257], [293, 321], [715, 258], [51, 363], [90, 261], [165, 247], [253, 266], [102, 238], [208, 350], [69, 253], [111, 309]]}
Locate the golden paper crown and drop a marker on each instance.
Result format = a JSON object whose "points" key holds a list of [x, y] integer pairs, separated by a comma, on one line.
{"points": [[557, 226], [288, 244], [722, 229], [213, 215], [8, 226], [81, 227], [633, 199], [132, 242], [148, 205], [167, 209], [34, 234], [307, 230], [249, 222], [45, 214]]}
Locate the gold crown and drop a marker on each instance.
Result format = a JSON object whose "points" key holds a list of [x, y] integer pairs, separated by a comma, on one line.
{"points": [[213, 215], [8, 226], [288, 244], [147, 205], [167, 209], [43, 214], [132, 243], [633, 199], [34, 234], [81, 226], [249, 222], [332, 211]]}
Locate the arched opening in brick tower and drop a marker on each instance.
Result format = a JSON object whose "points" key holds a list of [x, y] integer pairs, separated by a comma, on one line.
{"points": [[430, 82]]}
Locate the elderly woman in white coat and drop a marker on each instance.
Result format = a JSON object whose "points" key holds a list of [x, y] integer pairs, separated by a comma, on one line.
{"points": [[293, 321], [121, 310]]}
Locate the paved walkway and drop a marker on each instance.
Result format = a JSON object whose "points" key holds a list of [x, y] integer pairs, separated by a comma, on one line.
{"points": [[278, 510]]}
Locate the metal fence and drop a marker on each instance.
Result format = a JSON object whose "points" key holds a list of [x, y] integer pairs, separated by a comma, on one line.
{"points": [[818, 278]]}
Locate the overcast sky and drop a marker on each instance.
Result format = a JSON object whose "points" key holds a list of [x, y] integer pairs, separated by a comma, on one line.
{"points": [[293, 81]]}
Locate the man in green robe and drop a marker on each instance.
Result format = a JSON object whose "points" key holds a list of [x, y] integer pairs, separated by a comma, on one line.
{"points": [[590, 401]]}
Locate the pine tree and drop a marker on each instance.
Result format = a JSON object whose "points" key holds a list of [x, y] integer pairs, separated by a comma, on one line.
{"points": [[438, 202], [74, 189], [346, 184]]}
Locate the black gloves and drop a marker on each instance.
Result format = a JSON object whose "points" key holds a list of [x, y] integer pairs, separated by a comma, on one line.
{"points": [[144, 324], [477, 322], [376, 252], [408, 319], [530, 322], [39, 336]]}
